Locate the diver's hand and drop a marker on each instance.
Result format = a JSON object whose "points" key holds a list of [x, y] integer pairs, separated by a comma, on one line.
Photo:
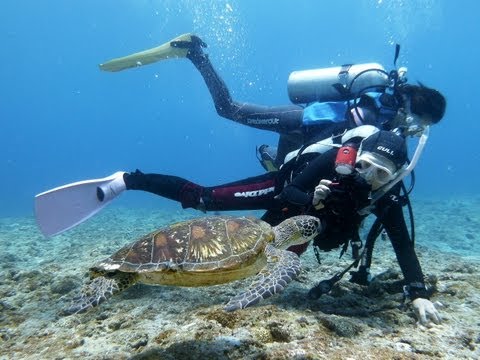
{"points": [[425, 311], [322, 190]]}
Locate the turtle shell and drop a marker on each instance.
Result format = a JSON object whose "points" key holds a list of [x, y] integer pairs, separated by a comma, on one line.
{"points": [[196, 252]]}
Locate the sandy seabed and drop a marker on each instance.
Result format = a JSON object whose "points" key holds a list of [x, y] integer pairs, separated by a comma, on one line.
{"points": [[39, 276]]}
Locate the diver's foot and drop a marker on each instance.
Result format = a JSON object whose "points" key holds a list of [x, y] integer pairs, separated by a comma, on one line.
{"points": [[113, 188], [267, 156], [195, 47]]}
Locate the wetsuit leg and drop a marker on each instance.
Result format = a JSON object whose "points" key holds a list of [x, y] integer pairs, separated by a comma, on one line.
{"points": [[254, 193], [247, 194], [170, 187], [280, 119]]}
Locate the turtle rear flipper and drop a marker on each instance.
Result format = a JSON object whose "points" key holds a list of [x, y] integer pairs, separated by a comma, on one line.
{"points": [[92, 294], [282, 267]]}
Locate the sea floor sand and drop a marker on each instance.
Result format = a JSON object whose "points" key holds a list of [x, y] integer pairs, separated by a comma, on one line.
{"points": [[38, 277]]}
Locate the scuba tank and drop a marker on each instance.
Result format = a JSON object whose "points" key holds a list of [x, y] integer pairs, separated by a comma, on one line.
{"points": [[337, 83]]}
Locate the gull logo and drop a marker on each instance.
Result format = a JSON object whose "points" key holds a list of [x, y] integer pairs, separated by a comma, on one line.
{"points": [[394, 198], [384, 149], [263, 121], [254, 193]]}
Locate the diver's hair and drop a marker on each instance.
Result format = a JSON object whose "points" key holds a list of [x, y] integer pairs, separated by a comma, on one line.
{"points": [[425, 101]]}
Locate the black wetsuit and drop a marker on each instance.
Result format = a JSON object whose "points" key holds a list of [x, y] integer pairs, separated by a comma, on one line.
{"points": [[268, 191]]}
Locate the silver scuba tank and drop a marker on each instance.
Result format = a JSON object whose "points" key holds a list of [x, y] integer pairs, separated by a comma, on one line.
{"points": [[307, 86]]}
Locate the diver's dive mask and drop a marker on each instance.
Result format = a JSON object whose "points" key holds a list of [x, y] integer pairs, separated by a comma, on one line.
{"points": [[401, 173], [375, 169]]}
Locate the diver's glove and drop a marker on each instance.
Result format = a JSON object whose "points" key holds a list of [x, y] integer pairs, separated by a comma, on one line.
{"points": [[425, 311], [322, 190], [194, 46]]}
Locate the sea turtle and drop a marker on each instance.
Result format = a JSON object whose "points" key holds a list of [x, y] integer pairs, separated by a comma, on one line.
{"points": [[204, 251]]}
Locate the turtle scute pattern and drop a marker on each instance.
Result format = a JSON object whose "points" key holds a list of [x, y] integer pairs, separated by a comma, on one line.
{"points": [[199, 244]]}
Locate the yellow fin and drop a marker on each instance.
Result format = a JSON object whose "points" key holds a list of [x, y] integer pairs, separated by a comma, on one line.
{"points": [[162, 52]]}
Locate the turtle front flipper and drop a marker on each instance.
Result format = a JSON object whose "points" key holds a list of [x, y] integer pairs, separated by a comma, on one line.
{"points": [[99, 290], [282, 267]]}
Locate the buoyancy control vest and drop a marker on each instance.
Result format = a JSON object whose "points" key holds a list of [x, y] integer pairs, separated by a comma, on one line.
{"points": [[324, 145]]}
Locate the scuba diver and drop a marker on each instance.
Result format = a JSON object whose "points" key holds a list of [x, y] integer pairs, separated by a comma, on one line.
{"points": [[326, 101], [384, 100], [341, 181]]}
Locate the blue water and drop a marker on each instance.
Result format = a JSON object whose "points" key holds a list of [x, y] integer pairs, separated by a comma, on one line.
{"points": [[64, 120]]}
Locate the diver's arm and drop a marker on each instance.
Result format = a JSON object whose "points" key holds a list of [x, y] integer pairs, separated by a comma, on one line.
{"points": [[396, 228], [415, 288], [300, 190]]}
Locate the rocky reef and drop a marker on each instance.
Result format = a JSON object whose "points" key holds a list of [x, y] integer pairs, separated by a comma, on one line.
{"points": [[39, 276]]}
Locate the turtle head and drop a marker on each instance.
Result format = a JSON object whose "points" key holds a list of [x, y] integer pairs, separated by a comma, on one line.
{"points": [[296, 230]]}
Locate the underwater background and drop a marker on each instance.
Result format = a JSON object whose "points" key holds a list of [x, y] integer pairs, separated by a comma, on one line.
{"points": [[63, 120]]}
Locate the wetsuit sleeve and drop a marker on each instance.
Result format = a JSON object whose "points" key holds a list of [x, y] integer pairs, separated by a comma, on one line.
{"points": [[300, 190], [390, 210], [280, 119]]}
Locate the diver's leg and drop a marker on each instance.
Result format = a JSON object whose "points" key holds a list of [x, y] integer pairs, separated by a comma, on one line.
{"points": [[168, 186], [280, 119], [252, 193], [248, 194], [215, 84]]}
